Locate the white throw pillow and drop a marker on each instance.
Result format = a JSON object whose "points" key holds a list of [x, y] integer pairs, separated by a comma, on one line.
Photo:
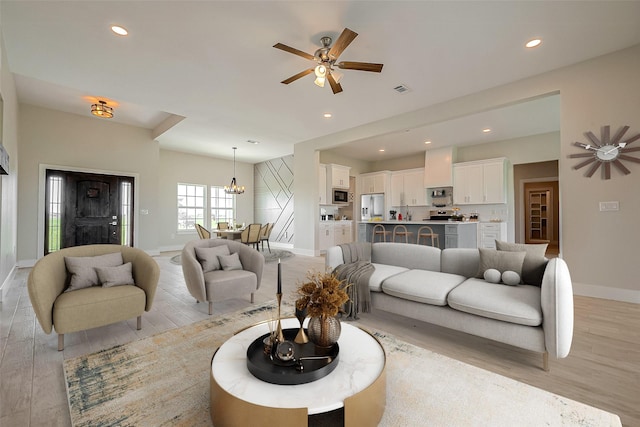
{"points": [[510, 278], [492, 275]]}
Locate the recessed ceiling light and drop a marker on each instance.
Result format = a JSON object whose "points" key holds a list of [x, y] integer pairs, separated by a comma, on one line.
{"points": [[486, 130], [427, 142], [533, 43], [327, 115], [251, 141], [381, 150], [121, 31]]}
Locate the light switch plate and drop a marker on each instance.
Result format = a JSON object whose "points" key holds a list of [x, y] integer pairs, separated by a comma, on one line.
{"points": [[609, 206]]}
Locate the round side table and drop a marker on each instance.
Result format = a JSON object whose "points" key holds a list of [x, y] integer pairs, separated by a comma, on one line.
{"points": [[355, 390]]}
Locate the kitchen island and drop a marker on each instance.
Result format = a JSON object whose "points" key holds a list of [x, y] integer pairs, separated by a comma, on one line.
{"points": [[453, 234]]}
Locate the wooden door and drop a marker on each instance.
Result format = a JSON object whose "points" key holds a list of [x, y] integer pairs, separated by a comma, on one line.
{"points": [[541, 212], [92, 210]]}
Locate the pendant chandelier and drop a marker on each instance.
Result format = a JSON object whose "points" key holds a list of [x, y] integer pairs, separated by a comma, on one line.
{"points": [[234, 188]]}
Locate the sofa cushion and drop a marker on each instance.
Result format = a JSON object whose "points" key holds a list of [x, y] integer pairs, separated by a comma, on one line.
{"points": [[230, 262], [229, 283], [381, 273], [82, 269], [115, 276], [534, 261], [499, 260], [429, 287], [518, 304], [208, 257]]}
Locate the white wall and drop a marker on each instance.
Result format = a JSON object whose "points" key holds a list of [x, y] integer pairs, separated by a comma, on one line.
{"points": [[72, 141], [596, 245], [177, 168], [8, 183]]}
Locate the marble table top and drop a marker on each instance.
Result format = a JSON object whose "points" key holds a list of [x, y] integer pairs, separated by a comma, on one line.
{"points": [[362, 360]]}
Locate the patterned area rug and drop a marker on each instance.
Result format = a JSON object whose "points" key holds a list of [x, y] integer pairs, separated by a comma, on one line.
{"points": [[272, 256], [164, 380]]}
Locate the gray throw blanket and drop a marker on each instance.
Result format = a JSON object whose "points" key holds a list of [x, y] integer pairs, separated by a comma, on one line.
{"points": [[356, 272]]}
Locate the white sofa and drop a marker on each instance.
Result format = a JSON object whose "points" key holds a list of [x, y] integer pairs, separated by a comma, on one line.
{"points": [[441, 287]]}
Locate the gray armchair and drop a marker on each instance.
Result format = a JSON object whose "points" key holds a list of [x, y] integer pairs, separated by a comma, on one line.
{"points": [[211, 278]]}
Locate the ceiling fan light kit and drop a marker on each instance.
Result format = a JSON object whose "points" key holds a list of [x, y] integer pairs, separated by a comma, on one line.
{"points": [[606, 151], [326, 58]]}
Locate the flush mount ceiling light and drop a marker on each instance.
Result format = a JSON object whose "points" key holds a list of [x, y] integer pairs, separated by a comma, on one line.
{"points": [[486, 130], [533, 43], [234, 188], [427, 142], [327, 115], [101, 109]]}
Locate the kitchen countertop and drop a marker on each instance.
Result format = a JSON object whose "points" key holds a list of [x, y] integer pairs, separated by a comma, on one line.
{"points": [[414, 222]]}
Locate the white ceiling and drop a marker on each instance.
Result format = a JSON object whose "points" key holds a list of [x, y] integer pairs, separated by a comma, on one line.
{"points": [[213, 63]]}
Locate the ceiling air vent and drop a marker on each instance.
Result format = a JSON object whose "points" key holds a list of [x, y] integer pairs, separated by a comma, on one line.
{"points": [[401, 89]]}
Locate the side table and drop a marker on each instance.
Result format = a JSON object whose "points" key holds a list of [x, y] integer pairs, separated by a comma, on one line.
{"points": [[355, 390]]}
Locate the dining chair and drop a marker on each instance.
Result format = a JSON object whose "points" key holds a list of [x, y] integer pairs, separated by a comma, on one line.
{"points": [[203, 232], [223, 225], [265, 233], [251, 235]]}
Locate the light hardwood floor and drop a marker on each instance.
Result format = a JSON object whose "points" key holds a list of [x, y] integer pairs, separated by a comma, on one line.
{"points": [[603, 369]]}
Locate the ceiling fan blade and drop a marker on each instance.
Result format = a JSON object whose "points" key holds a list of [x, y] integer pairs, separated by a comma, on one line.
{"points": [[362, 66], [294, 51], [341, 44], [297, 76], [335, 86]]}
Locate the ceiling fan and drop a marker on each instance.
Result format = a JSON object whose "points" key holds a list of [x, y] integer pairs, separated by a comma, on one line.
{"points": [[326, 58]]}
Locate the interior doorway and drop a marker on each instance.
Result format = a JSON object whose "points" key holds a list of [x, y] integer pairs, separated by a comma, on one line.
{"points": [[541, 213], [87, 208]]}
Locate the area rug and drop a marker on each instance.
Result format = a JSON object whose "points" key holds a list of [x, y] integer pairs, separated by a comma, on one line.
{"points": [[164, 380], [273, 256]]}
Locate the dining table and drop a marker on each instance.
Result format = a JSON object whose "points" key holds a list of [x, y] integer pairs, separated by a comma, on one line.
{"points": [[228, 233]]}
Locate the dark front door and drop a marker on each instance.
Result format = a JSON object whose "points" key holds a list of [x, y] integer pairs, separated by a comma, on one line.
{"points": [[91, 209], [87, 208]]}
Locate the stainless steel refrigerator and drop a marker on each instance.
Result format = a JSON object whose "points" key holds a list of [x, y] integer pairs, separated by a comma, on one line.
{"points": [[371, 206]]}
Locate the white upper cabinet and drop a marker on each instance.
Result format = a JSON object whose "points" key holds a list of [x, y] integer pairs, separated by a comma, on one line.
{"points": [[373, 183], [438, 165], [322, 184], [339, 176], [407, 188], [480, 182]]}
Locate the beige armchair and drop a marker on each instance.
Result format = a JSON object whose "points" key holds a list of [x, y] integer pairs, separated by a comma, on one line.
{"points": [[92, 306], [208, 280]]}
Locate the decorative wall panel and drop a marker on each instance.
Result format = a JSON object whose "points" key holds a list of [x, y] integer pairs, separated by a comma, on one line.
{"points": [[273, 192]]}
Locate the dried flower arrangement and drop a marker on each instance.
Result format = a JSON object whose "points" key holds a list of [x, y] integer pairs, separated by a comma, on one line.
{"points": [[323, 295]]}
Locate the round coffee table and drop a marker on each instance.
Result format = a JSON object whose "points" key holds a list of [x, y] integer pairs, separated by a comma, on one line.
{"points": [[355, 390]]}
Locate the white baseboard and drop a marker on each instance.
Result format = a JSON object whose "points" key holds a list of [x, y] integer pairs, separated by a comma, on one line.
{"points": [[26, 263], [606, 292]]}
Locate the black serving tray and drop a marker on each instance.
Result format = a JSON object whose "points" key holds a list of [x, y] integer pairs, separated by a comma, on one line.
{"points": [[285, 373]]}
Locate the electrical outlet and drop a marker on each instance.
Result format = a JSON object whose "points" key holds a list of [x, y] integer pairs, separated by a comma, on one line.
{"points": [[144, 211], [609, 206]]}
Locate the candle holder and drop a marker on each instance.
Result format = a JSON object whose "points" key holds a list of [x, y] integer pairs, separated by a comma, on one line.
{"points": [[301, 337], [279, 334]]}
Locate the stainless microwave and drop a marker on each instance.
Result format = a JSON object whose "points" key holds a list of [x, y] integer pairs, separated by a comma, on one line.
{"points": [[340, 197]]}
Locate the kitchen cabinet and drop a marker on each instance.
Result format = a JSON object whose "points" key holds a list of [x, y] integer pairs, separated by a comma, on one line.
{"points": [[460, 236], [342, 233], [374, 183], [407, 188], [489, 232], [480, 182], [338, 176], [322, 184], [438, 167], [325, 235]]}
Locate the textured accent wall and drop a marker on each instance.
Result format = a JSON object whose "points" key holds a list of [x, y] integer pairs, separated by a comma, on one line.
{"points": [[273, 193]]}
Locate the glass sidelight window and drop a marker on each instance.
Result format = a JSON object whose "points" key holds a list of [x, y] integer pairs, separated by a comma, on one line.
{"points": [[53, 221]]}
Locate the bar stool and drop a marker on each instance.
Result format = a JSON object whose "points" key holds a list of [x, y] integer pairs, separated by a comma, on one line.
{"points": [[379, 230], [400, 231], [427, 232]]}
